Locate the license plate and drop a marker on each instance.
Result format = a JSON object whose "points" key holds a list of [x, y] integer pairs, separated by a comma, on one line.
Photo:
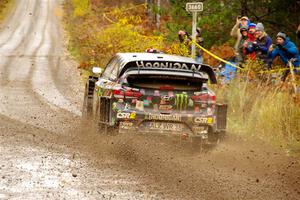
{"points": [[165, 126]]}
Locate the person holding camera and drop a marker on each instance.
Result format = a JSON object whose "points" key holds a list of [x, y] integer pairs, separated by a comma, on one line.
{"points": [[262, 44], [240, 54], [286, 50], [236, 32]]}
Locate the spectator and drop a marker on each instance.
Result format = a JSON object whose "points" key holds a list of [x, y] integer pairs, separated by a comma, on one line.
{"points": [[262, 44], [298, 32], [235, 32], [240, 54], [184, 37], [249, 51], [286, 49], [229, 71]]}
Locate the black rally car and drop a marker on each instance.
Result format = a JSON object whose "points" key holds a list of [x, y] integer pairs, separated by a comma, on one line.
{"points": [[154, 93]]}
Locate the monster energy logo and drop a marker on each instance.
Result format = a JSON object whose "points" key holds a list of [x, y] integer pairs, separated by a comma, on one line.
{"points": [[182, 101]]}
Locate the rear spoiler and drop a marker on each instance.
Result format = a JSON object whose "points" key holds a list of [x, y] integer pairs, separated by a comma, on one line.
{"points": [[211, 74], [160, 65]]}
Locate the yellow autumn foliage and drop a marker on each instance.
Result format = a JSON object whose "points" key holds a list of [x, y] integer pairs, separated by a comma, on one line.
{"points": [[125, 37], [81, 7]]}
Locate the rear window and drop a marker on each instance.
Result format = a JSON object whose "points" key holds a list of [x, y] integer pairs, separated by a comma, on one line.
{"points": [[164, 81]]}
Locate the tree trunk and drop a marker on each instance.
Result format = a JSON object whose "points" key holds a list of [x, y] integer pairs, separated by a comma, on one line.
{"points": [[244, 8]]}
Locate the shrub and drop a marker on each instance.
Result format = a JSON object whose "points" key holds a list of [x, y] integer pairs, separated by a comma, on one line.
{"points": [[261, 111]]}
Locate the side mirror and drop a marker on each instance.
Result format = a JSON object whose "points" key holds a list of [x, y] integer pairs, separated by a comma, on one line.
{"points": [[97, 70]]}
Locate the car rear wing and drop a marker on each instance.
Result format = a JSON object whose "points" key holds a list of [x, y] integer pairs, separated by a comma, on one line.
{"points": [[161, 65]]}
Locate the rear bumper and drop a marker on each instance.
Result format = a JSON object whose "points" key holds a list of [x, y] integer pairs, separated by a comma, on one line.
{"points": [[190, 125]]}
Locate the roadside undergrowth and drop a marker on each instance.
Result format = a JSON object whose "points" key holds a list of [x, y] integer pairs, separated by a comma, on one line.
{"points": [[259, 108], [5, 7], [96, 35]]}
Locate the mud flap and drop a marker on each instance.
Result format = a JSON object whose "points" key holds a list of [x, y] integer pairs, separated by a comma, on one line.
{"points": [[91, 85], [88, 98], [105, 117], [221, 113]]}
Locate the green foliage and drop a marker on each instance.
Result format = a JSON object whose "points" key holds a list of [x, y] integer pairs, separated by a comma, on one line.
{"points": [[219, 17], [216, 20]]}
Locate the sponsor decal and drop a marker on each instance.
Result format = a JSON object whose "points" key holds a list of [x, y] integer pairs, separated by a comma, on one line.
{"points": [[203, 120], [165, 107], [121, 115], [167, 98], [139, 105], [163, 117], [146, 102], [127, 125], [191, 103], [169, 65], [181, 101]]}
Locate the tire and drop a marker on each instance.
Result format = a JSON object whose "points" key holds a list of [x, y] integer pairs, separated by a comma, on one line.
{"points": [[87, 108]]}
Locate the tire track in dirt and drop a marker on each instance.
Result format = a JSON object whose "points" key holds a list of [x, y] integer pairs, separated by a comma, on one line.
{"points": [[40, 144]]}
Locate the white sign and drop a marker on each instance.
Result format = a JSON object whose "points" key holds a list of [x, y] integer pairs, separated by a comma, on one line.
{"points": [[194, 7]]}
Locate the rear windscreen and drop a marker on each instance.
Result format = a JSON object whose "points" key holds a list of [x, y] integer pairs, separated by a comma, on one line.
{"points": [[159, 81]]}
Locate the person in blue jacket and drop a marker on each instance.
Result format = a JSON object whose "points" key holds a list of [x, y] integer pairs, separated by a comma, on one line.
{"points": [[229, 72], [287, 50]]}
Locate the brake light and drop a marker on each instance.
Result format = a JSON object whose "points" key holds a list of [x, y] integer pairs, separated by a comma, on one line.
{"points": [[121, 94], [204, 97], [213, 97], [129, 93]]}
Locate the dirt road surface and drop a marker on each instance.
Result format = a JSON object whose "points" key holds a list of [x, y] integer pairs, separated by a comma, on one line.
{"points": [[48, 152]]}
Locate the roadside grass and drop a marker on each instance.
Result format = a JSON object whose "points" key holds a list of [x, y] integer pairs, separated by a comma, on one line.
{"points": [[260, 110], [5, 8]]}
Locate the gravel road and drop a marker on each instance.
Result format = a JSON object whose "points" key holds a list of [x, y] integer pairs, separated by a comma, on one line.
{"points": [[48, 152]]}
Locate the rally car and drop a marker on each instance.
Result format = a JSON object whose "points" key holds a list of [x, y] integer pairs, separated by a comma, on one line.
{"points": [[154, 93]]}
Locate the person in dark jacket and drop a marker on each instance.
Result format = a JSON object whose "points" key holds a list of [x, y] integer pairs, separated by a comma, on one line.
{"points": [[287, 50], [262, 43]]}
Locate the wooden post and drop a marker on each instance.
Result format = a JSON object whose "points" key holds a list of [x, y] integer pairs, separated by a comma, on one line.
{"points": [[158, 15]]}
